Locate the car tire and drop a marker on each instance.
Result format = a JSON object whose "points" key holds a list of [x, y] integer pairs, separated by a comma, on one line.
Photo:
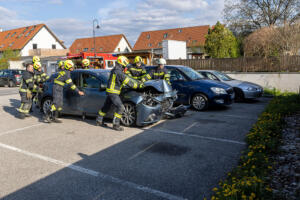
{"points": [[199, 102], [129, 115], [46, 104], [239, 95], [11, 83]]}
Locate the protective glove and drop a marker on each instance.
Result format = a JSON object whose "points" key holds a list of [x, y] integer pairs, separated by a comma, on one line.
{"points": [[29, 95], [141, 85]]}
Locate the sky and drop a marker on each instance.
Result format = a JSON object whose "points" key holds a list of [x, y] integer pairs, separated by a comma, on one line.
{"points": [[71, 19]]}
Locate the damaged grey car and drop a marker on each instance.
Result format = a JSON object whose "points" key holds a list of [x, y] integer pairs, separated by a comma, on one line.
{"points": [[142, 107]]}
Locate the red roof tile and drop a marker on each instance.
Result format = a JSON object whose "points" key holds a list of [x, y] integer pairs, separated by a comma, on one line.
{"points": [[16, 39], [104, 44], [194, 36]]}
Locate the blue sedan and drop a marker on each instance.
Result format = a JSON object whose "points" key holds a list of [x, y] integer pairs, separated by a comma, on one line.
{"points": [[195, 90]]}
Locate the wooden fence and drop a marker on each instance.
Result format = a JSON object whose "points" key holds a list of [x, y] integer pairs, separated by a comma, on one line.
{"points": [[243, 64]]}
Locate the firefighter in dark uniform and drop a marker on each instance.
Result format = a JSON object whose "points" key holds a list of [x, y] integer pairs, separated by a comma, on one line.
{"points": [[160, 72], [137, 70], [64, 77], [85, 63], [39, 78], [116, 81], [26, 87]]}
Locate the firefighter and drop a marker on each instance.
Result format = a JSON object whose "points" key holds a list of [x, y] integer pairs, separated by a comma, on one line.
{"points": [[116, 81], [35, 59], [26, 87], [61, 66], [137, 70], [64, 77], [39, 78], [160, 72], [85, 63]]}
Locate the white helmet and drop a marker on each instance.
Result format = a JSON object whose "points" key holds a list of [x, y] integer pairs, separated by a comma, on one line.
{"points": [[161, 61]]}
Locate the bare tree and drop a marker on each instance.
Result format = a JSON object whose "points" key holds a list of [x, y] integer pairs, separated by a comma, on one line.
{"points": [[245, 16]]}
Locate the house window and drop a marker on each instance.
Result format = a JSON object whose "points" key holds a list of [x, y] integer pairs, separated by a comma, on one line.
{"points": [[159, 44], [149, 45], [34, 46], [148, 36], [13, 34], [7, 35], [165, 35], [85, 49], [53, 46]]}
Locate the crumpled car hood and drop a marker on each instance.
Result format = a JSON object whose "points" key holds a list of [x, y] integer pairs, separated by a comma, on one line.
{"points": [[159, 85]]}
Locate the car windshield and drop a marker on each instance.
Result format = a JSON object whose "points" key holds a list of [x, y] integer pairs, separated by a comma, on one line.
{"points": [[192, 74], [222, 76]]}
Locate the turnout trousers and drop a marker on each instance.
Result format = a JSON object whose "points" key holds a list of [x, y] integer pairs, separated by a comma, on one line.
{"points": [[25, 103], [58, 98], [112, 100]]}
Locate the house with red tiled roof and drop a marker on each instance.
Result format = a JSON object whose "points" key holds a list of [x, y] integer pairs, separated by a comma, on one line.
{"points": [[32, 40], [193, 36], [103, 44]]}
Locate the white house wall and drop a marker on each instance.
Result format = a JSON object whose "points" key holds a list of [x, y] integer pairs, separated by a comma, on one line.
{"points": [[123, 45], [43, 39]]}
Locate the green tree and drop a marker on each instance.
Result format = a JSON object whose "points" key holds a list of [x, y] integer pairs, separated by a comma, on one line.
{"points": [[221, 43], [8, 55]]}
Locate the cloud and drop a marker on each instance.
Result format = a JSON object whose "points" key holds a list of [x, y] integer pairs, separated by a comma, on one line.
{"points": [[56, 1]]}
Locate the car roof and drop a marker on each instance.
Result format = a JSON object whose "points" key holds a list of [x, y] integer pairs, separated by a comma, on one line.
{"points": [[206, 70]]}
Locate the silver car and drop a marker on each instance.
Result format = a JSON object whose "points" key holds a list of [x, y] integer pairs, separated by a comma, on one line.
{"points": [[243, 89]]}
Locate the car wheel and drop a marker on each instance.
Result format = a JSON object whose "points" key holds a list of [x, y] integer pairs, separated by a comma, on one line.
{"points": [[46, 105], [239, 95], [199, 102], [129, 115], [11, 84]]}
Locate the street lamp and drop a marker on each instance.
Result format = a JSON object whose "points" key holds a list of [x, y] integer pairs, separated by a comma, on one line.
{"points": [[95, 22]]}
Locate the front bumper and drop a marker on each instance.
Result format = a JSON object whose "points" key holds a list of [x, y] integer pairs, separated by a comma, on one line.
{"points": [[224, 99], [148, 114], [252, 94]]}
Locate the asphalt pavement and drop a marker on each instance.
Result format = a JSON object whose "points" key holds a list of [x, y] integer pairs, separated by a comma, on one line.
{"points": [[174, 159], [8, 91]]}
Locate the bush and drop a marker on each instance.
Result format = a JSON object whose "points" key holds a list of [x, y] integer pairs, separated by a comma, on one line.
{"points": [[250, 179]]}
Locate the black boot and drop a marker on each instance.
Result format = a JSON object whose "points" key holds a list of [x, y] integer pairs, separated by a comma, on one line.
{"points": [[116, 124], [99, 121], [55, 117], [21, 115]]}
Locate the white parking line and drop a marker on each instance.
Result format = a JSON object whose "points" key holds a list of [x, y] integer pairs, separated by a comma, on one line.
{"points": [[95, 174], [140, 152], [196, 136], [20, 129], [189, 127]]}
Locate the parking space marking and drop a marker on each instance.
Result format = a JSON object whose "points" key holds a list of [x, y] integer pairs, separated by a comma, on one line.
{"points": [[144, 150], [20, 129], [95, 174], [189, 127], [196, 136]]}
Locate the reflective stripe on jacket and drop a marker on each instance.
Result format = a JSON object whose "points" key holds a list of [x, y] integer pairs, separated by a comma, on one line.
{"points": [[64, 77]]}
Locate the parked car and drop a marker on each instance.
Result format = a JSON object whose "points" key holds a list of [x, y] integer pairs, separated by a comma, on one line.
{"points": [[242, 89], [10, 77], [142, 107], [195, 90]]}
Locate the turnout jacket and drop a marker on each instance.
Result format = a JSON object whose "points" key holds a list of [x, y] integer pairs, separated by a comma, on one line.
{"points": [[136, 72], [27, 82], [118, 79], [63, 78], [40, 77], [158, 74]]}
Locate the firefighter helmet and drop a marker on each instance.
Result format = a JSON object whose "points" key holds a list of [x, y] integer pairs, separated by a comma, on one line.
{"points": [[69, 64], [86, 62], [37, 65], [161, 61], [122, 60], [35, 59], [61, 63], [138, 59]]}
